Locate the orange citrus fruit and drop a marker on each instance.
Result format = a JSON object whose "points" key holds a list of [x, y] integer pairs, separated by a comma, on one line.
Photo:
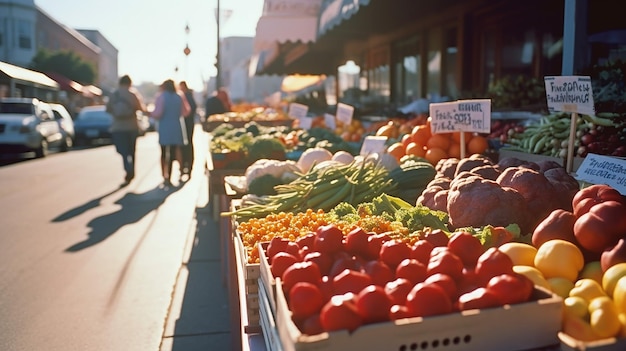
{"points": [[396, 150], [415, 149], [456, 136], [434, 154], [477, 145], [406, 139], [420, 134], [441, 141], [454, 150]]}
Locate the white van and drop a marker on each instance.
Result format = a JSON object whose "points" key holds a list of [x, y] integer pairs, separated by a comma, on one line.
{"points": [[28, 125]]}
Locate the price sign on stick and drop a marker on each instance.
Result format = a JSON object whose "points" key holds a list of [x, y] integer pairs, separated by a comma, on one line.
{"points": [[599, 169], [330, 122], [373, 144], [344, 113], [305, 122], [297, 111], [461, 116], [572, 94]]}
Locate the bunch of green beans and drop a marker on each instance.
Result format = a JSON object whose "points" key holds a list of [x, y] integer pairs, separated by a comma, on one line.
{"points": [[323, 189]]}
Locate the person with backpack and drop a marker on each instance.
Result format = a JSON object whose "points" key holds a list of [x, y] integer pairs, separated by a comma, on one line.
{"points": [[123, 105], [190, 122]]}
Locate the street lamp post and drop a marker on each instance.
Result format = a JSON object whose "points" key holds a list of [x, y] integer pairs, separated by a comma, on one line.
{"points": [[187, 50], [218, 79]]}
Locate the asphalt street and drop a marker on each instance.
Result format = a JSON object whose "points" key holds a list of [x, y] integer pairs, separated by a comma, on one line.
{"points": [[88, 265]]}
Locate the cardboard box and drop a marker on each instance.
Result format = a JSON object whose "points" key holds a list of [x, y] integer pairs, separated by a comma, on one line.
{"points": [[611, 344], [524, 326]]}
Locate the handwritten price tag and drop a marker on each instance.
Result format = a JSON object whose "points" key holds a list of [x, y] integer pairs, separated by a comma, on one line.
{"points": [[572, 94], [461, 115], [297, 111], [344, 113], [599, 169]]}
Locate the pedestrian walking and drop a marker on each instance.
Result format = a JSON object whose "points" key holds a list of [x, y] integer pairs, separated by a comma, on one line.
{"points": [[169, 108], [218, 103], [123, 105], [190, 121]]}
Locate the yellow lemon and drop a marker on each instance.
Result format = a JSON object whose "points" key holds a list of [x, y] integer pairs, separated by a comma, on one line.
{"points": [[587, 288], [619, 295], [576, 306], [533, 274], [611, 276], [560, 286], [559, 258], [592, 270], [520, 253], [605, 322]]}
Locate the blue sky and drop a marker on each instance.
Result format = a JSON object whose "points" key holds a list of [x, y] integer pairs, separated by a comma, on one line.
{"points": [[150, 35]]}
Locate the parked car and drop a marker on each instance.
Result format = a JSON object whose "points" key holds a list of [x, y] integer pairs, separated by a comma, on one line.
{"points": [[63, 117], [93, 124], [28, 125]]}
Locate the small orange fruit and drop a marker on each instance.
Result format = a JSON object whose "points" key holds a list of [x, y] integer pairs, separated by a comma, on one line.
{"points": [[420, 134], [441, 141], [456, 136], [406, 139], [477, 145], [389, 130], [454, 150], [415, 149], [396, 150], [433, 155]]}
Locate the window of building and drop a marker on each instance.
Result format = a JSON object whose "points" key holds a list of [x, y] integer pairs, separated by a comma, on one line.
{"points": [[376, 76], [451, 88], [407, 64], [24, 34], [434, 62]]}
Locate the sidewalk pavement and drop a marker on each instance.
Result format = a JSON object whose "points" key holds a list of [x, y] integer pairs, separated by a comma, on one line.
{"points": [[199, 315]]}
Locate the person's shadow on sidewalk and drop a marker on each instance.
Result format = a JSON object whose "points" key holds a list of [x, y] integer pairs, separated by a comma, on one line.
{"points": [[134, 207]]}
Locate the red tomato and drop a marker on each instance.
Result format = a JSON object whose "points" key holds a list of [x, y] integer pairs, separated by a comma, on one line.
{"points": [[341, 261], [305, 299], [312, 325], [412, 270], [293, 249], [340, 313], [373, 304], [399, 312], [281, 261], [511, 288], [374, 244], [427, 299], [329, 239], [380, 273], [477, 299], [444, 261], [392, 252], [356, 242], [491, 263], [592, 195], [306, 240], [398, 289], [466, 246], [300, 272], [601, 227], [323, 261], [350, 281], [421, 251], [276, 245], [447, 283], [437, 237]]}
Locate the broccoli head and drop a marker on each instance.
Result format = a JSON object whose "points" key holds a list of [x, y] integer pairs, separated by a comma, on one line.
{"points": [[264, 185]]}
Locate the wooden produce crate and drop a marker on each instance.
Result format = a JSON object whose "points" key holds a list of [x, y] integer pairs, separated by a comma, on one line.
{"points": [[268, 321], [250, 276], [209, 126], [524, 326], [611, 344], [267, 278], [252, 271]]}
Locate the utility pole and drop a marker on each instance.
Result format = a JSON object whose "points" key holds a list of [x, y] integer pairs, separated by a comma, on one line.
{"points": [[218, 78]]}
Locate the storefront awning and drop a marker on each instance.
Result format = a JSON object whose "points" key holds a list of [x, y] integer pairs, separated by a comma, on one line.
{"points": [[26, 75], [334, 12], [297, 82]]}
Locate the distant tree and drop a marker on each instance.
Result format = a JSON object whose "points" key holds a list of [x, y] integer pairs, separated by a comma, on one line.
{"points": [[66, 63]]}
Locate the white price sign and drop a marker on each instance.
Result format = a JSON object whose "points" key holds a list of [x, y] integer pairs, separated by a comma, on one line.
{"points": [[572, 94], [305, 122], [329, 121], [344, 113], [297, 111], [599, 169], [373, 144], [461, 116]]}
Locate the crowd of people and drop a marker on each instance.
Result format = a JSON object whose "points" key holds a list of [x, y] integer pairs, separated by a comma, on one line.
{"points": [[175, 110]]}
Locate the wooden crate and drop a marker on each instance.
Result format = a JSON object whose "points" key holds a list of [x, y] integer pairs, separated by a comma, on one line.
{"points": [[611, 344]]}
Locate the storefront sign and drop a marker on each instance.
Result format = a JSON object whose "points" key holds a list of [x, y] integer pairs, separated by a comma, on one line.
{"points": [[599, 169], [461, 115], [344, 113], [572, 94], [372, 144], [297, 111]]}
